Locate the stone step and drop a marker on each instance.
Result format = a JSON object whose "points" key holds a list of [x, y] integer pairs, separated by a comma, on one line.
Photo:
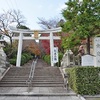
{"points": [[48, 85], [21, 82], [33, 85], [7, 76], [33, 81], [40, 94], [36, 73], [18, 77], [35, 77], [17, 74], [50, 76], [43, 74], [47, 78], [13, 85]]}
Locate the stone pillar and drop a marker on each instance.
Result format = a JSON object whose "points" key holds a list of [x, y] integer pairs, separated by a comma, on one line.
{"points": [[51, 48], [68, 58], [19, 50]]}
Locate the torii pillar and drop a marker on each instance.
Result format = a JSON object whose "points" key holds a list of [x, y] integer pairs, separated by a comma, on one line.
{"points": [[51, 48], [18, 63]]}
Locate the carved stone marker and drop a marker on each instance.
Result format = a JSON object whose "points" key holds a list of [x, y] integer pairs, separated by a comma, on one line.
{"points": [[87, 60], [97, 51]]}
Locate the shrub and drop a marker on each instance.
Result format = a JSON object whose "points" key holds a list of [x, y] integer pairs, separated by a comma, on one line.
{"points": [[43, 57], [13, 61], [30, 56], [27, 56], [12, 53], [46, 58], [84, 80], [24, 58], [59, 59]]}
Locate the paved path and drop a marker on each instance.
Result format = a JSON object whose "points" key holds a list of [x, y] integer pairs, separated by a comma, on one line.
{"points": [[39, 98], [36, 93]]}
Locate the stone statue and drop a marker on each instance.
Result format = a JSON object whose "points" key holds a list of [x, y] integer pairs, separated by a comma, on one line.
{"points": [[66, 60]]}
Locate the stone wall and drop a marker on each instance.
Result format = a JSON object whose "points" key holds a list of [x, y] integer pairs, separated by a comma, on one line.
{"points": [[3, 66]]}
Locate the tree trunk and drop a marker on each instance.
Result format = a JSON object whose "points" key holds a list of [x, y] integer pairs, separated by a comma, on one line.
{"points": [[10, 41], [88, 45]]}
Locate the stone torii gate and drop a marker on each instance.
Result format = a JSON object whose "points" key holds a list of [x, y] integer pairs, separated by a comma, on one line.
{"points": [[21, 37]]}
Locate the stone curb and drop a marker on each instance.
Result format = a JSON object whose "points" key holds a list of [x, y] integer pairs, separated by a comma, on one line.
{"points": [[80, 97], [90, 96]]}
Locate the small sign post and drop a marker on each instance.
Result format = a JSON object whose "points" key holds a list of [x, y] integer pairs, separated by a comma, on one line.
{"points": [[36, 34], [55, 54]]}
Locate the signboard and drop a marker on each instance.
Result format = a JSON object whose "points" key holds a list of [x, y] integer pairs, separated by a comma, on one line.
{"points": [[36, 34], [55, 54], [97, 51], [87, 60]]}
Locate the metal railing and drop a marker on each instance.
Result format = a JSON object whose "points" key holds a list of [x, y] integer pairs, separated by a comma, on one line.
{"points": [[31, 75]]}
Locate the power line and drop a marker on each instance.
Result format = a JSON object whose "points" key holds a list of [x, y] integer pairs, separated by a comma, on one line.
{"points": [[11, 4], [6, 1], [16, 4]]}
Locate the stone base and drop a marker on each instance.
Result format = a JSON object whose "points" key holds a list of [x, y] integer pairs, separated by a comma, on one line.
{"points": [[2, 70]]}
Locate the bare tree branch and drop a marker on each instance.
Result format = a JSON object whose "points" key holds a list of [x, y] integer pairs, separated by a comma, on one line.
{"points": [[17, 17], [7, 19], [48, 24]]}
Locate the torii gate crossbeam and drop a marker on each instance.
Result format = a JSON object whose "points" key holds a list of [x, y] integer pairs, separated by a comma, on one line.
{"points": [[21, 37]]}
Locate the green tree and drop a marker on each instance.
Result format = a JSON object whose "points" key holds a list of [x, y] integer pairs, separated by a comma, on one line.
{"points": [[82, 19], [22, 27]]}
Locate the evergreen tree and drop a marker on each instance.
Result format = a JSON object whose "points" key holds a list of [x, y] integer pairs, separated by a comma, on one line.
{"points": [[82, 19]]}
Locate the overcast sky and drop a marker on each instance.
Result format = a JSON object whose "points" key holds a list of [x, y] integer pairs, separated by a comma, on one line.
{"points": [[32, 9]]}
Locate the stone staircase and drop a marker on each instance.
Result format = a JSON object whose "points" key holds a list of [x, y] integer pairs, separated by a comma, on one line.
{"points": [[47, 76], [44, 76], [47, 84], [15, 77]]}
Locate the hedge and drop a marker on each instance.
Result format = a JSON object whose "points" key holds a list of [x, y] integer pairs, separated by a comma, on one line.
{"points": [[84, 80]]}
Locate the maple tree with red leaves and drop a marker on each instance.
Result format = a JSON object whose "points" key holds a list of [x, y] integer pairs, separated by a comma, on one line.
{"points": [[46, 43], [33, 48]]}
